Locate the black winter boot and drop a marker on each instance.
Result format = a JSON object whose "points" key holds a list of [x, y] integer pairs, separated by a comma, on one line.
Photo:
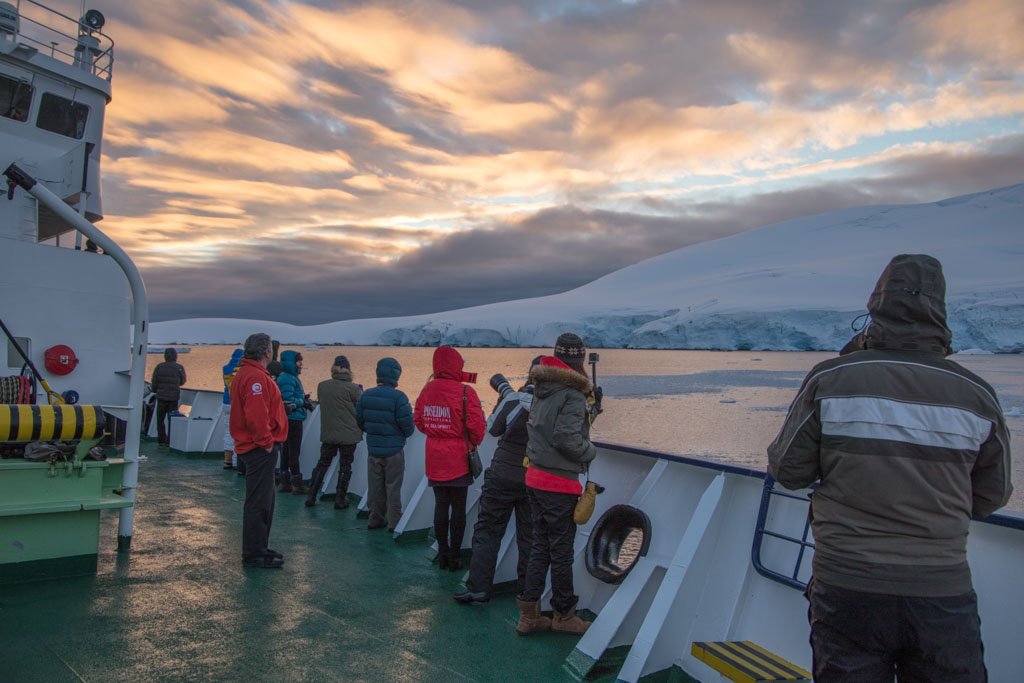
{"points": [[457, 532], [443, 554], [284, 482], [298, 486], [314, 486], [341, 493]]}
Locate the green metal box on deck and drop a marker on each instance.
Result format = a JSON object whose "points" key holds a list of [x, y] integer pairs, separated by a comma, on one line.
{"points": [[49, 516]]}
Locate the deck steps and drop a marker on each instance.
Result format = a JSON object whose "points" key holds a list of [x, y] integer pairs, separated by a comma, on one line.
{"points": [[746, 662]]}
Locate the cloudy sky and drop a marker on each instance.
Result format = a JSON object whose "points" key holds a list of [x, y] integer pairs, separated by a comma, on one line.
{"points": [[318, 161]]}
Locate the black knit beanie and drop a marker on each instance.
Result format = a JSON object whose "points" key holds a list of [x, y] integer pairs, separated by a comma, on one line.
{"points": [[570, 349]]}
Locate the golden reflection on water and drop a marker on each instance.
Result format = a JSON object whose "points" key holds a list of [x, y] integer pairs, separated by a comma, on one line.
{"points": [[630, 550], [729, 423]]}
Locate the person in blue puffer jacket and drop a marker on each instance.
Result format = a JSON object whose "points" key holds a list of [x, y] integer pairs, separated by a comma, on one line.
{"points": [[229, 374], [385, 414], [294, 398]]}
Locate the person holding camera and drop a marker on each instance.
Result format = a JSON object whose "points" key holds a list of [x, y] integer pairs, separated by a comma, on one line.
{"points": [[504, 492], [559, 450], [448, 412], [295, 405]]}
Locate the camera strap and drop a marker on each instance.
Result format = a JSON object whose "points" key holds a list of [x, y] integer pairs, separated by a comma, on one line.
{"points": [[465, 425]]}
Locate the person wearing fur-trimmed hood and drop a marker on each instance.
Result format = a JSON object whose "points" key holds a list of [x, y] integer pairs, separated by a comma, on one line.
{"points": [[559, 450]]}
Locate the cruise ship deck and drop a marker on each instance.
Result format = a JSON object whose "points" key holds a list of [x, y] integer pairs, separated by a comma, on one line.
{"points": [[349, 605]]}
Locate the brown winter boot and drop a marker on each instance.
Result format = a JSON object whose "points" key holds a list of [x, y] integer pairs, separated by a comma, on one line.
{"points": [[568, 622], [530, 618], [298, 485]]}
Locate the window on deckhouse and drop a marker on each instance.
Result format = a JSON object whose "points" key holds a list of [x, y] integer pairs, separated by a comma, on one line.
{"points": [[15, 99], [60, 115]]}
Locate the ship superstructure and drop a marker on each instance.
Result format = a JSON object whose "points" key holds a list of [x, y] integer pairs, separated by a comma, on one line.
{"points": [[69, 296]]}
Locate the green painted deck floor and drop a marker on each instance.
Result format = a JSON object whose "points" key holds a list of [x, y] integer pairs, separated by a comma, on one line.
{"points": [[350, 604]]}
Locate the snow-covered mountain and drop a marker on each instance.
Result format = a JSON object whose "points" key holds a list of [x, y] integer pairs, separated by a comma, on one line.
{"points": [[795, 285]]}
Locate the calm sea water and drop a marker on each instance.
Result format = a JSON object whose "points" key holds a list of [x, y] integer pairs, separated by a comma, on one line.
{"points": [[721, 406]]}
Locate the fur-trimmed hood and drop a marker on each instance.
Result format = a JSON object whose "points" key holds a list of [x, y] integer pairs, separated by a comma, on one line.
{"points": [[551, 375]]}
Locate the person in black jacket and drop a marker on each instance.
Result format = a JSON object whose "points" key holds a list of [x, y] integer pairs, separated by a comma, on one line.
{"points": [[168, 378], [504, 492]]}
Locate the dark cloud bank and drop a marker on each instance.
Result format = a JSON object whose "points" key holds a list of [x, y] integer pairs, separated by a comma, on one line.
{"points": [[310, 281]]}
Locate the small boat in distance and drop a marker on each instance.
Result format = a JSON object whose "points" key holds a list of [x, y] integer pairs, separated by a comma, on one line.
{"points": [[161, 349]]}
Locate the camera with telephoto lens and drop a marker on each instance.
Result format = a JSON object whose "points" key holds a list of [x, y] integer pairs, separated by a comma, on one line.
{"points": [[500, 384]]}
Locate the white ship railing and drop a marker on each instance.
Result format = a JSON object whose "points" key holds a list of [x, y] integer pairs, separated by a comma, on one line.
{"points": [[48, 31]]}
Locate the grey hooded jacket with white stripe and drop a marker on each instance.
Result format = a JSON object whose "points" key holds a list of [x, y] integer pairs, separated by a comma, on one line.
{"points": [[907, 445]]}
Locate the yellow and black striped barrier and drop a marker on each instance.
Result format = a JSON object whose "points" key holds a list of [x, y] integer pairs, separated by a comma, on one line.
{"points": [[747, 662], [21, 423]]}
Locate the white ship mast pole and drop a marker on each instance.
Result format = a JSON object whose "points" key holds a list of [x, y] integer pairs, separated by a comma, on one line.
{"points": [[140, 315]]}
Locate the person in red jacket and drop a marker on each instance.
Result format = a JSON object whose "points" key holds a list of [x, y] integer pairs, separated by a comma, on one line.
{"points": [[258, 425], [449, 413]]}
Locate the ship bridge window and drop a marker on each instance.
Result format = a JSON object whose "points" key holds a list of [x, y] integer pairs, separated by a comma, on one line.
{"points": [[60, 115], [15, 98], [618, 540]]}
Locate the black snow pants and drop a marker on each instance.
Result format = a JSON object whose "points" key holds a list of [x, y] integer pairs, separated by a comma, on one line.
{"points": [[553, 533], [499, 498]]}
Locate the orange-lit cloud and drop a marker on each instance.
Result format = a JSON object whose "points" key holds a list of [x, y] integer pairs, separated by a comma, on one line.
{"points": [[249, 127]]}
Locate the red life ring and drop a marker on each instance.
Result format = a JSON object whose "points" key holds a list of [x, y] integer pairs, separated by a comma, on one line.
{"points": [[60, 359]]}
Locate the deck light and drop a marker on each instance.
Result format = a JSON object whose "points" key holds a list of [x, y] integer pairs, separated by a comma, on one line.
{"points": [[93, 19]]}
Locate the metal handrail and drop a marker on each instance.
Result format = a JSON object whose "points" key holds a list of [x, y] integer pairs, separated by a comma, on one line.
{"points": [[103, 63], [140, 336], [760, 532]]}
